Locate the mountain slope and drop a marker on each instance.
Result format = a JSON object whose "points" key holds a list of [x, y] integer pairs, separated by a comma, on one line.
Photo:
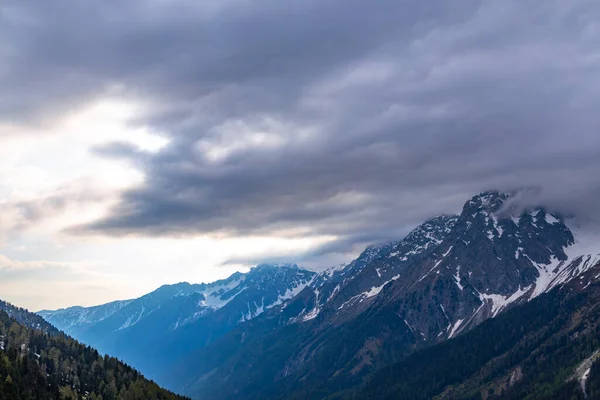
{"points": [[157, 329], [343, 288], [27, 318], [38, 365], [74, 320], [489, 259], [530, 352]]}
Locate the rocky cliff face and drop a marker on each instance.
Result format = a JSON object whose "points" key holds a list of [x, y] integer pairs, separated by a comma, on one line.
{"points": [[343, 287], [490, 261]]}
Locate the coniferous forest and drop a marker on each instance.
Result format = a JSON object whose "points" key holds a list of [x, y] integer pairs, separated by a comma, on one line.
{"points": [[38, 365]]}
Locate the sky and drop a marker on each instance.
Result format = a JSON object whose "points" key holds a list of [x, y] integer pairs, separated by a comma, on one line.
{"points": [[150, 142]]}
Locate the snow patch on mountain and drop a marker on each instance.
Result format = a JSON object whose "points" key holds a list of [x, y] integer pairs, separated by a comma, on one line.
{"points": [[500, 302], [290, 293], [217, 296], [130, 320], [376, 289], [455, 327], [312, 314], [437, 264], [582, 255], [457, 278]]}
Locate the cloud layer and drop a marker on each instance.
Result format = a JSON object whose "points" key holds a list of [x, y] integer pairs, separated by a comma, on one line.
{"points": [[341, 118]]}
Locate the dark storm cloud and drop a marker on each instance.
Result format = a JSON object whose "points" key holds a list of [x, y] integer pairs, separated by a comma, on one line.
{"points": [[348, 118]]}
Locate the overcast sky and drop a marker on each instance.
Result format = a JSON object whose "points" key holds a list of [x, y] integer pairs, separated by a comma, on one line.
{"points": [[152, 141]]}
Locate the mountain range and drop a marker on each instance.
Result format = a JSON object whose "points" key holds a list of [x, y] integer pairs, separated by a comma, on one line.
{"points": [[160, 328], [286, 332]]}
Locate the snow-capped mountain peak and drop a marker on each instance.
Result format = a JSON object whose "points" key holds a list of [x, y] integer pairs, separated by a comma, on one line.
{"points": [[244, 295], [488, 258]]}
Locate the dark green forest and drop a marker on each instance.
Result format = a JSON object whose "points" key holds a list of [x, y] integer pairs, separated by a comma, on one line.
{"points": [[29, 319], [35, 364]]}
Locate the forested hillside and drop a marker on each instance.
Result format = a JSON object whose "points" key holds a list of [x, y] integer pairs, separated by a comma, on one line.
{"points": [[38, 365], [27, 318]]}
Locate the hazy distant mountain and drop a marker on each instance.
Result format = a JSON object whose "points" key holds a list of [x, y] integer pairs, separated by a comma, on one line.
{"points": [[155, 330]]}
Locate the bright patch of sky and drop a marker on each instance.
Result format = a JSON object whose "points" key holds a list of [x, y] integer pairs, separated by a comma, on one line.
{"points": [[41, 266]]}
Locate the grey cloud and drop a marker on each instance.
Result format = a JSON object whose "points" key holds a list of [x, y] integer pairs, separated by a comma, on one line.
{"points": [[354, 119], [14, 271], [34, 211], [20, 215], [122, 150]]}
